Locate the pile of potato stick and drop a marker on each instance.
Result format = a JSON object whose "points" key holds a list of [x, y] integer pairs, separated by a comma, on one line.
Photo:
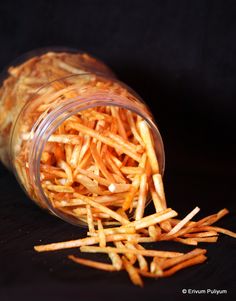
{"points": [[123, 244]]}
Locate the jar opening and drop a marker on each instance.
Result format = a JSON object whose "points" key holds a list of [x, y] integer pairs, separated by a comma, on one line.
{"points": [[54, 120]]}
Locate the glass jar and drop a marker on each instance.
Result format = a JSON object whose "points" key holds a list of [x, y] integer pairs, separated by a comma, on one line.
{"points": [[47, 89]]}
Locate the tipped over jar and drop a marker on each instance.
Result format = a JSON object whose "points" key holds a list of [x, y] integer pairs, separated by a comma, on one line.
{"points": [[82, 144]]}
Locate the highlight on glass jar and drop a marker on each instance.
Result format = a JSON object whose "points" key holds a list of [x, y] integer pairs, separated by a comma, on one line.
{"points": [[81, 143]]}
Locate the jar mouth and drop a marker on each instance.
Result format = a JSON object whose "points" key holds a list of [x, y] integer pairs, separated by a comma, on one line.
{"points": [[43, 131]]}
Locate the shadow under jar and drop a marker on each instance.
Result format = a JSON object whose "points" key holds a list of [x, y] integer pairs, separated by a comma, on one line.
{"points": [[73, 134]]}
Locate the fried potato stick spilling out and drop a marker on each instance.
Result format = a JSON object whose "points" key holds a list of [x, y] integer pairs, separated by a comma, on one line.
{"points": [[134, 256]]}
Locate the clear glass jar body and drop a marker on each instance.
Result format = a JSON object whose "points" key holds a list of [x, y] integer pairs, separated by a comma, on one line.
{"points": [[55, 97]]}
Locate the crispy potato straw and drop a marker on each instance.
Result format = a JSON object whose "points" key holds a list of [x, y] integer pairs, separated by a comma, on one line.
{"points": [[164, 263]]}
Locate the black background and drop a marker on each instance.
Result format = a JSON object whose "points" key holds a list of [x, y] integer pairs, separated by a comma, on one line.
{"points": [[180, 56]]}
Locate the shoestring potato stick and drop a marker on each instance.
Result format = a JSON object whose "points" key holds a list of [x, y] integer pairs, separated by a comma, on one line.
{"points": [[163, 263]]}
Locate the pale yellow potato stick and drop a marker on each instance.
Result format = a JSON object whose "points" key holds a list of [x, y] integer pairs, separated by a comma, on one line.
{"points": [[101, 235], [157, 180], [110, 163], [69, 203], [75, 155], [100, 125], [102, 198], [90, 219], [95, 115], [133, 128], [108, 211], [105, 198], [133, 274], [153, 232], [147, 139], [116, 188], [106, 140], [184, 221], [84, 148], [82, 242], [129, 170], [93, 176], [93, 264], [166, 226], [111, 223], [132, 257], [143, 265], [121, 129], [130, 195], [46, 158], [116, 261], [186, 241], [84, 163], [101, 215], [119, 179], [68, 152], [68, 68], [205, 239], [143, 161], [144, 252], [63, 165], [135, 185], [128, 204], [129, 145], [53, 170], [89, 184], [117, 230], [116, 161], [153, 219], [142, 198], [201, 234], [117, 203], [98, 160], [175, 221], [79, 211], [65, 138], [155, 269], [155, 196], [58, 188]]}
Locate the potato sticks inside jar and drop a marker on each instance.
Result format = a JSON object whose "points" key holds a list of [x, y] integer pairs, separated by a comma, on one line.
{"points": [[78, 137]]}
